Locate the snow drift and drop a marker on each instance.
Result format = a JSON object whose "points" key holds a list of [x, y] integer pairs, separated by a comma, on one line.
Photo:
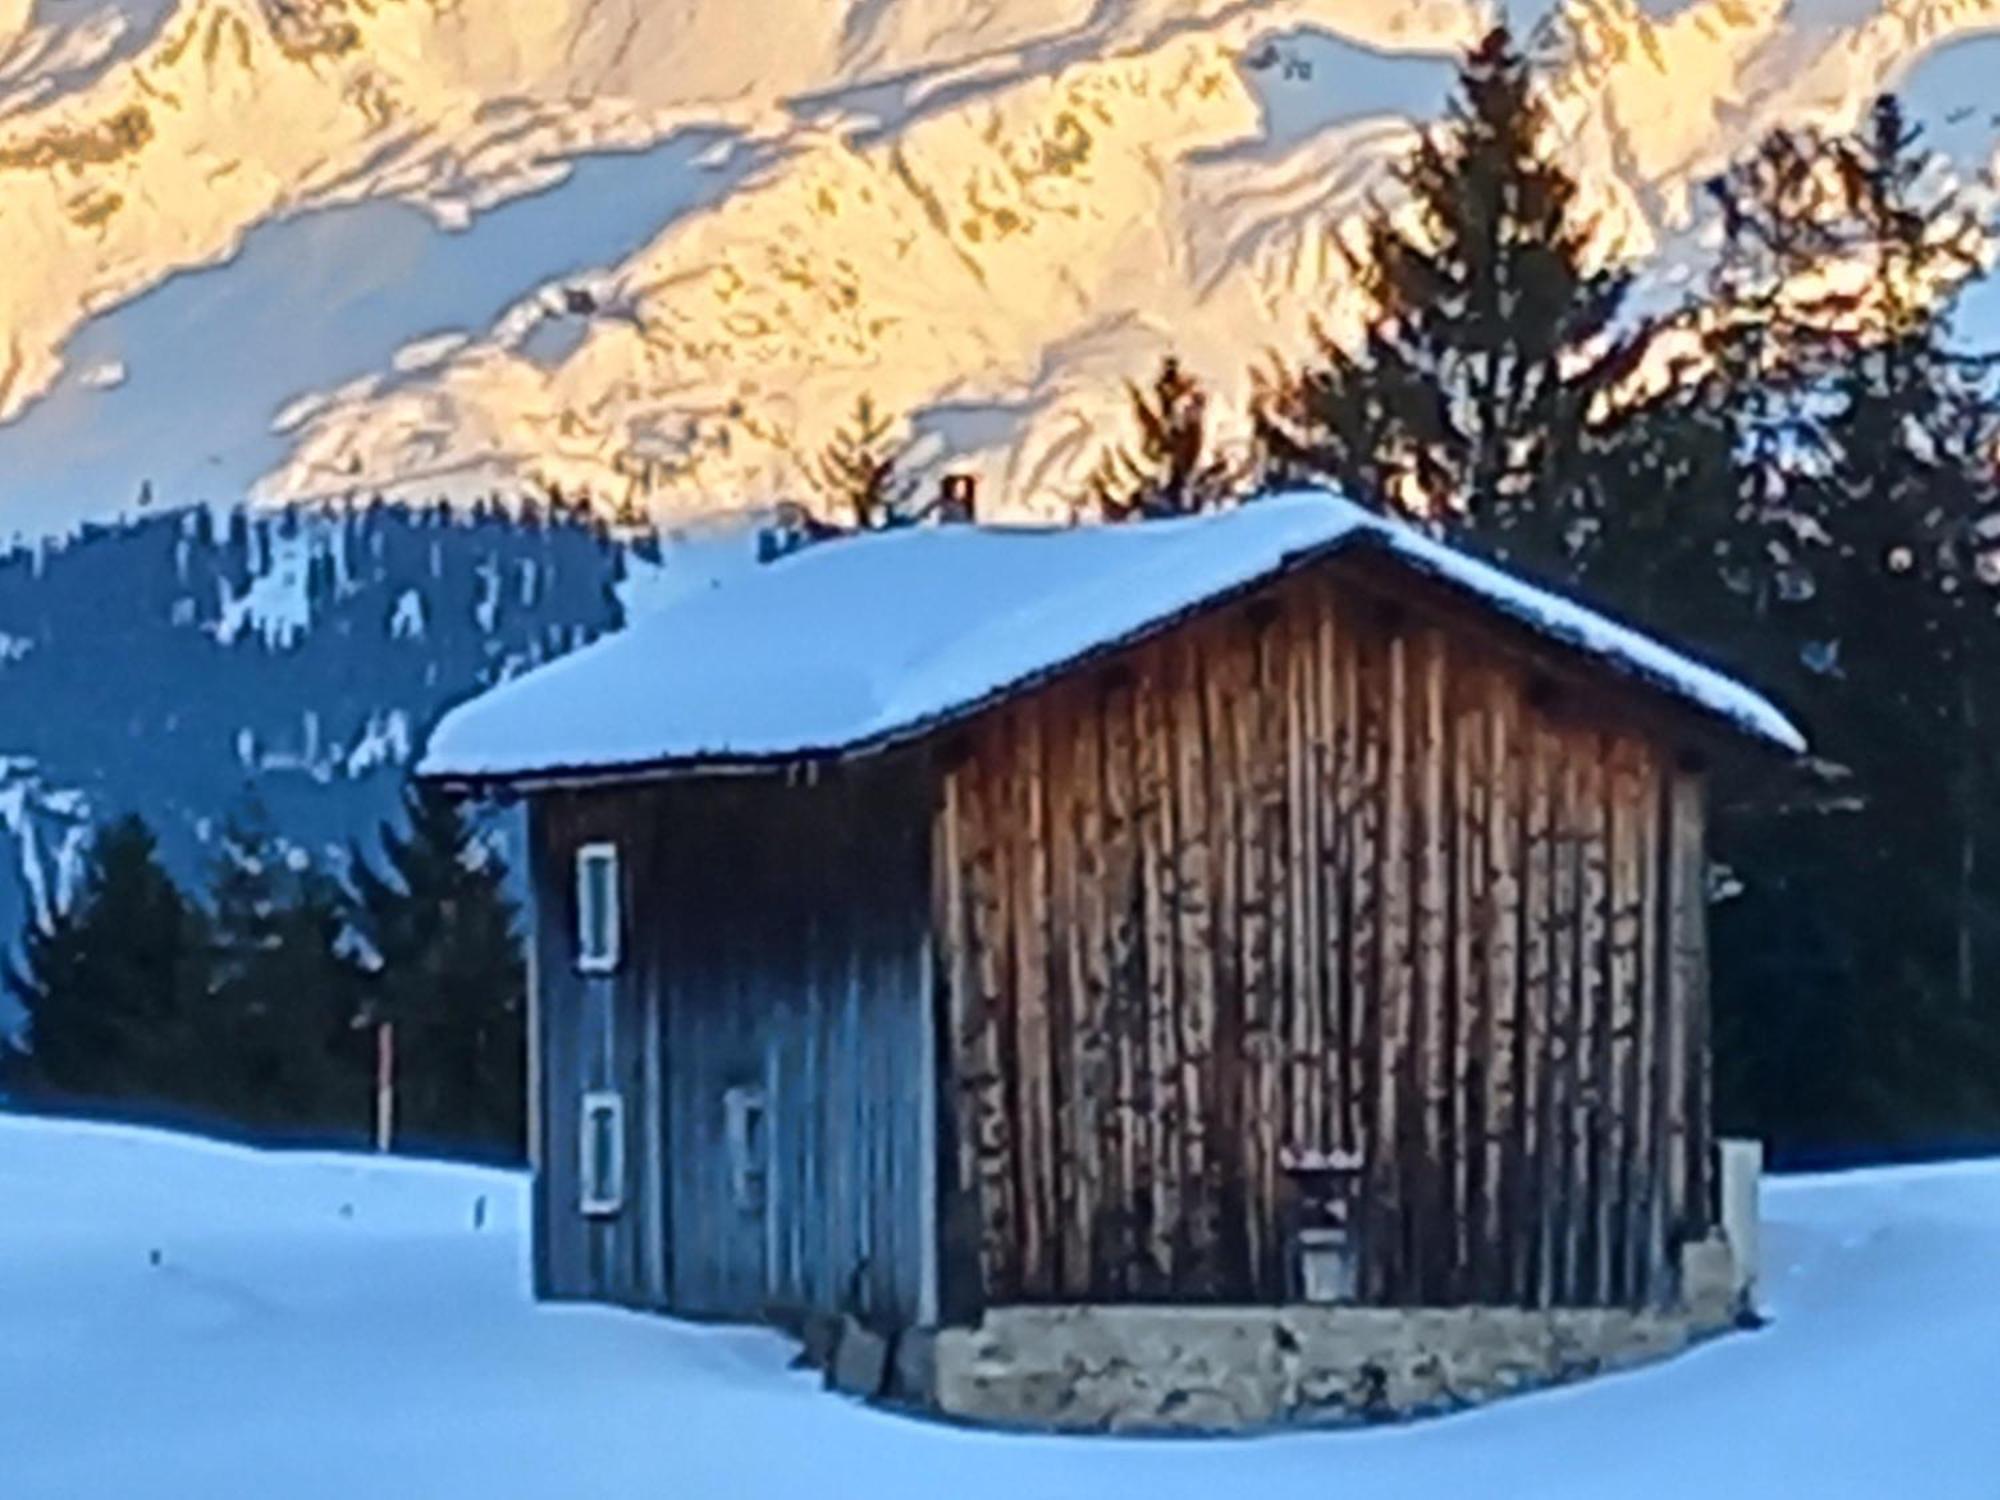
{"points": [[185, 1319]]}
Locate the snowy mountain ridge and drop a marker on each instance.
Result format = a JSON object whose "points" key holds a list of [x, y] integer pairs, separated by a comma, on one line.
{"points": [[986, 216]]}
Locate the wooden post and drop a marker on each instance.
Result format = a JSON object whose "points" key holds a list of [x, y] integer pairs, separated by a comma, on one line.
{"points": [[385, 1084]]}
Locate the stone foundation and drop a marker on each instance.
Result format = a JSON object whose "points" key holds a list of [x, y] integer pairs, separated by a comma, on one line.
{"points": [[1159, 1368]]}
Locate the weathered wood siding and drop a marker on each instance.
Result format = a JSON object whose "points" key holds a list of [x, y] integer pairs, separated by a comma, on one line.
{"points": [[1334, 869], [775, 937]]}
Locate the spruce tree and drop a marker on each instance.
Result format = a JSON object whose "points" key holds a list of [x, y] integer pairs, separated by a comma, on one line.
{"points": [[284, 1007], [1489, 337], [448, 973], [113, 987], [1173, 470], [860, 471], [1864, 439]]}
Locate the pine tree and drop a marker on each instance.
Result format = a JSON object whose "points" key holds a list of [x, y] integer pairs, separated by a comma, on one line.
{"points": [[281, 1017], [1864, 441], [449, 975], [1173, 471], [1489, 337], [860, 471], [1913, 433], [113, 987]]}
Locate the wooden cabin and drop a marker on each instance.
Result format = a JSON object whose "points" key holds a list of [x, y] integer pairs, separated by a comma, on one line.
{"points": [[1267, 907]]}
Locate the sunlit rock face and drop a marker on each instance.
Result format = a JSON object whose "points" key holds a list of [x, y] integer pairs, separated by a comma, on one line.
{"points": [[655, 250]]}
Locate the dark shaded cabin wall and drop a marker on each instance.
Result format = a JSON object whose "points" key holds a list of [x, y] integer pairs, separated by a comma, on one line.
{"points": [[591, 1032], [1322, 875], [776, 947]]}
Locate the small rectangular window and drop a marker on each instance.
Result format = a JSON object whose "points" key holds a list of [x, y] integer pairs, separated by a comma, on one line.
{"points": [[597, 908], [744, 1130], [601, 1153]]}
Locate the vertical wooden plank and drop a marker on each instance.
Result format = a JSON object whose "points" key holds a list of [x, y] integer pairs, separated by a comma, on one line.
{"points": [[1430, 1209], [1094, 1080], [1307, 1062], [850, 1192], [1035, 1104], [1509, 1124], [1244, 1049], [792, 1100], [1228, 675], [1536, 1182], [1371, 1125], [792, 1128], [1592, 1043], [968, 1018], [1159, 758], [1348, 858], [1475, 1248], [985, 1029], [912, 1171], [1561, 925], [652, 1129], [1229, 679], [540, 914], [1394, 985], [1687, 1001], [957, 1001], [595, 1045], [1620, 1187], [1650, 1229], [551, 1060], [824, 1257], [1072, 1169], [1199, 943], [533, 922], [1323, 928], [1285, 861], [1126, 995], [857, 1052]]}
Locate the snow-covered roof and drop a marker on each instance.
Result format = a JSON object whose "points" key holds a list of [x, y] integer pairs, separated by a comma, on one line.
{"points": [[852, 643]]}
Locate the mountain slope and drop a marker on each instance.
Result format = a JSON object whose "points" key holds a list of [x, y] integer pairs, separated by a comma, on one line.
{"points": [[181, 666], [987, 215]]}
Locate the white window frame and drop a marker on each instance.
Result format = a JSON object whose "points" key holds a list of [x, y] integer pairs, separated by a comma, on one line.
{"points": [[606, 962], [746, 1131], [597, 1197]]}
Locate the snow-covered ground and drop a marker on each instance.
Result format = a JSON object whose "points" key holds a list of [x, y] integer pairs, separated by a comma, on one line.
{"points": [[322, 1325]]}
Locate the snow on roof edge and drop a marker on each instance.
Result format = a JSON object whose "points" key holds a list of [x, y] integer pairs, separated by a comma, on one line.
{"points": [[1565, 623]]}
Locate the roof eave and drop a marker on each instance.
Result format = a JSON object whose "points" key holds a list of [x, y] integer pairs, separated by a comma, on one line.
{"points": [[1376, 546]]}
